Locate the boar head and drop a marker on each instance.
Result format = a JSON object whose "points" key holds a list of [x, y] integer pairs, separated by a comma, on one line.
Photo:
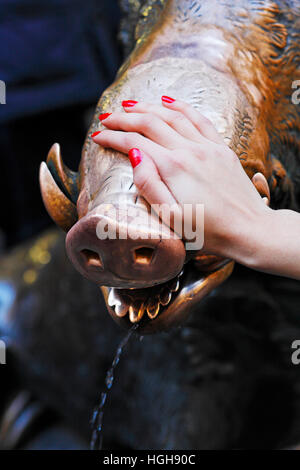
{"points": [[233, 61]]}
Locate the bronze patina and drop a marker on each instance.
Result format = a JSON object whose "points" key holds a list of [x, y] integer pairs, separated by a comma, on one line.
{"points": [[236, 63]]}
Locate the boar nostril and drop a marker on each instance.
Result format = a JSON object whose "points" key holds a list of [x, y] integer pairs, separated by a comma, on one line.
{"points": [[149, 257], [92, 258], [143, 255]]}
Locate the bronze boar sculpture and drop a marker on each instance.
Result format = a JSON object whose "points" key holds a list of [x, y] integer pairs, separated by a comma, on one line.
{"points": [[225, 378], [236, 63]]}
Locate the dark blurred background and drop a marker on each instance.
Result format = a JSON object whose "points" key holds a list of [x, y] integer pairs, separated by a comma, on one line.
{"points": [[56, 58]]}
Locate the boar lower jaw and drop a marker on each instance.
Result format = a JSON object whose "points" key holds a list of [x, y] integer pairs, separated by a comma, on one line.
{"points": [[137, 302], [161, 307]]}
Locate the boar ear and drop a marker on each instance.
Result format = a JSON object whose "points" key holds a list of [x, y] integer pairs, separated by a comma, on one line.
{"points": [[261, 184], [59, 189]]}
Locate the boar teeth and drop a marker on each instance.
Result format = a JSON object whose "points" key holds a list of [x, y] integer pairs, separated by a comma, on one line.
{"points": [[121, 310], [123, 303], [153, 308], [174, 286], [113, 298], [119, 304], [165, 296], [136, 311]]}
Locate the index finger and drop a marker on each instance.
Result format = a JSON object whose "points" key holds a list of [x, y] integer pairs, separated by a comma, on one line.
{"points": [[202, 123]]}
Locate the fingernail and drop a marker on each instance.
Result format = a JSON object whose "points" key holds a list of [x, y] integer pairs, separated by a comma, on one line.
{"points": [[129, 103], [104, 116], [95, 133], [135, 157], [167, 99]]}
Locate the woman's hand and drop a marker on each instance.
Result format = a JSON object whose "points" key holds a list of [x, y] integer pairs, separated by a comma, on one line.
{"points": [[179, 158]]}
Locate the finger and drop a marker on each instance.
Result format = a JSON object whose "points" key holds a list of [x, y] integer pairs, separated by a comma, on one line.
{"points": [[175, 119], [124, 141], [204, 125], [168, 162], [148, 124], [147, 179], [150, 185]]}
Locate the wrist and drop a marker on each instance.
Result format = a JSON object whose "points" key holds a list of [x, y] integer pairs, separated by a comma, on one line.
{"points": [[248, 238], [277, 244], [266, 240]]}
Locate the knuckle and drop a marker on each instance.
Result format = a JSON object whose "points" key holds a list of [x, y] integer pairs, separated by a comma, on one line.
{"points": [[131, 139], [177, 118], [177, 154], [181, 106], [148, 121], [178, 160], [142, 183], [200, 152], [203, 120]]}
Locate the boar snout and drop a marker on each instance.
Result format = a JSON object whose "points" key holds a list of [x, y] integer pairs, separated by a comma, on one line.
{"points": [[135, 258]]}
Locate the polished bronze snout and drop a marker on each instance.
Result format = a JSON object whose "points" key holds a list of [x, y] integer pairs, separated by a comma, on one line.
{"points": [[124, 252]]}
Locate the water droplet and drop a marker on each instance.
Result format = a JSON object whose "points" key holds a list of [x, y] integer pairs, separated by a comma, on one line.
{"points": [[109, 379], [116, 360], [103, 399]]}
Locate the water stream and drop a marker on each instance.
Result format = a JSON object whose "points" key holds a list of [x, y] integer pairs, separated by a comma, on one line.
{"points": [[97, 418]]}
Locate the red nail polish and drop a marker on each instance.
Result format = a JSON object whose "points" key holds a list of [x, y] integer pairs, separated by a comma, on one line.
{"points": [[129, 103], [167, 99], [104, 116], [95, 133], [135, 157]]}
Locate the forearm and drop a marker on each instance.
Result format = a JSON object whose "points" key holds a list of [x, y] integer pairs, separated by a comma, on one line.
{"points": [[271, 244]]}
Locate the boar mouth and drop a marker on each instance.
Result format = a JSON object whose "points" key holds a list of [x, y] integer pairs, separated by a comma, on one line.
{"points": [[137, 302], [165, 305]]}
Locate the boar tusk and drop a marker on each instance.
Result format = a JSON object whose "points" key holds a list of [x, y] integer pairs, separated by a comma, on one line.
{"points": [[64, 177], [58, 206], [262, 187]]}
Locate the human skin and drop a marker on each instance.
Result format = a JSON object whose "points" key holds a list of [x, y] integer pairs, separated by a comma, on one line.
{"points": [[179, 158]]}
